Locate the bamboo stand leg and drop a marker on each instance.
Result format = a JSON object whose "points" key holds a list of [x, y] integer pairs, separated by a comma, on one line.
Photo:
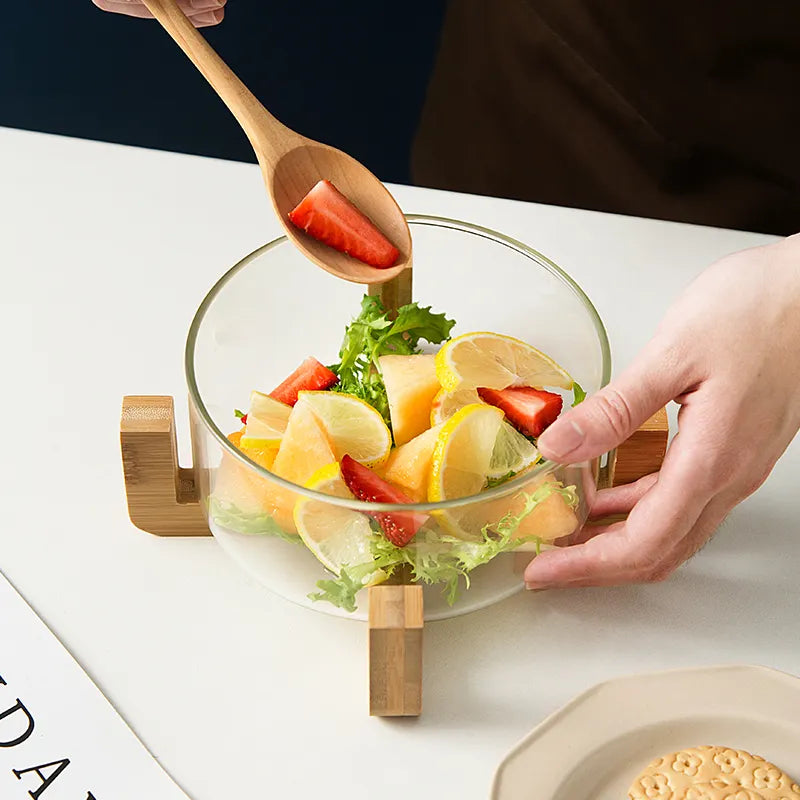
{"points": [[395, 611], [395, 650], [643, 453], [162, 497], [640, 455]]}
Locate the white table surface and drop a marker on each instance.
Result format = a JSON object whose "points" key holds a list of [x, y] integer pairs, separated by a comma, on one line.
{"points": [[105, 252]]}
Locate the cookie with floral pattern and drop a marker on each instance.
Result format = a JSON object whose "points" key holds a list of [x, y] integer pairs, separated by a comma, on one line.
{"points": [[713, 773]]}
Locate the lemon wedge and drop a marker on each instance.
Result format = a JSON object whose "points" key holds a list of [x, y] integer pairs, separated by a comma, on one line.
{"points": [[338, 537], [463, 452], [266, 422], [495, 361], [512, 452], [352, 426], [445, 403]]}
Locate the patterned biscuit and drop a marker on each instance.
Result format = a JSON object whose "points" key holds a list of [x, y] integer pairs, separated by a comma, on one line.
{"points": [[712, 773]]}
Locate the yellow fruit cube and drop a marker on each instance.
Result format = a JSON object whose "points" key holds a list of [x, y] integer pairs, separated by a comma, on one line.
{"points": [[411, 384], [409, 465]]}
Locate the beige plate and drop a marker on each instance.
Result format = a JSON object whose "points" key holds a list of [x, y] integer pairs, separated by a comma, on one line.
{"points": [[594, 747]]}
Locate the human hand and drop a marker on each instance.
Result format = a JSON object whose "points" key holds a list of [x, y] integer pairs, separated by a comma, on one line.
{"points": [[728, 352], [201, 12]]}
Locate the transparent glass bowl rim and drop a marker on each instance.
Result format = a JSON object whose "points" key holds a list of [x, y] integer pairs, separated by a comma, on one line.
{"points": [[414, 220]]}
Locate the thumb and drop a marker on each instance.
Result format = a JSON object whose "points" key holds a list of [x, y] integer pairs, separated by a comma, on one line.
{"points": [[609, 417]]}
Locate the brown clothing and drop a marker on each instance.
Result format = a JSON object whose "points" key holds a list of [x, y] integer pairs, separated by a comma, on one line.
{"points": [[686, 110]]}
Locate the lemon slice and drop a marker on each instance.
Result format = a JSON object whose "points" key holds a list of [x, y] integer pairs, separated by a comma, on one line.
{"points": [[463, 452], [512, 452], [266, 422], [496, 362], [338, 537], [352, 426], [445, 403]]}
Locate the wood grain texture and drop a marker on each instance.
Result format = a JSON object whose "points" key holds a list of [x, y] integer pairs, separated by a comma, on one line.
{"points": [[640, 455], [162, 497], [395, 650], [644, 452], [395, 293], [290, 163]]}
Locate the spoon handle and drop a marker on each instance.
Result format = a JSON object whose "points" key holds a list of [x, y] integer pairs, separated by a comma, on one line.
{"points": [[268, 136]]}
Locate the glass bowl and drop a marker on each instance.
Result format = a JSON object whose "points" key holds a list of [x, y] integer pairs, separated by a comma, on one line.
{"points": [[274, 308]]}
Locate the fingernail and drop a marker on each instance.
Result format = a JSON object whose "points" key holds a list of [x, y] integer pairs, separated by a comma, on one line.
{"points": [[207, 17], [535, 587], [561, 440]]}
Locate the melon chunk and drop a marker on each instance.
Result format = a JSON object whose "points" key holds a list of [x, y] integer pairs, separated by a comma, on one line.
{"points": [[550, 520], [237, 485], [411, 384], [409, 465], [304, 449]]}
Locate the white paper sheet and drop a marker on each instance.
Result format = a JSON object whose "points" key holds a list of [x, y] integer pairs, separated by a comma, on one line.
{"points": [[55, 720]]}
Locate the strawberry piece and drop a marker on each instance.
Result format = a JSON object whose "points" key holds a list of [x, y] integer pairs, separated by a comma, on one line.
{"points": [[529, 410], [310, 376], [327, 215], [399, 527]]}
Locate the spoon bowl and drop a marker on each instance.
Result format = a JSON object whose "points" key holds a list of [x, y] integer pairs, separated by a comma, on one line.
{"points": [[299, 169], [292, 164]]}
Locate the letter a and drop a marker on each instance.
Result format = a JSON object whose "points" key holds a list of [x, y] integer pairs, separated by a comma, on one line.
{"points": [[45, 782], [28, 730]]}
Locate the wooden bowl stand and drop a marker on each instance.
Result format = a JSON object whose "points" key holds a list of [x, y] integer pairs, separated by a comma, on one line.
{"points": [[163, 500]]}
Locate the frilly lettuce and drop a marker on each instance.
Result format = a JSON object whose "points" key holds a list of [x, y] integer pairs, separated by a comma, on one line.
{"points": [[233, 518], [439, 559], [373, 334]]}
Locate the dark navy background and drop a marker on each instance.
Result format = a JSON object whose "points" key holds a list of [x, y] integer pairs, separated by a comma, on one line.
{"points": [[351, 74]]}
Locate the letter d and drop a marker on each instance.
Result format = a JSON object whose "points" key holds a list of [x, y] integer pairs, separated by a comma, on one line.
{"points": [[8, 714]]}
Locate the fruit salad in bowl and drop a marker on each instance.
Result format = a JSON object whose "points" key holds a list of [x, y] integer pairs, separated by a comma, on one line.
{"points": [[342, 445], [391, 425]]}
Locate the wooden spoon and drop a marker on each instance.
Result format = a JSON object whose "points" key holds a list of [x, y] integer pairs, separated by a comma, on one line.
{"points": [[292, 164]]}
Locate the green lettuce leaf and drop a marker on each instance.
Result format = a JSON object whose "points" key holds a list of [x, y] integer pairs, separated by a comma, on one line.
{"points": [[373, 334], [340, 591], [578, 394], [412, 325], [229, 516]]}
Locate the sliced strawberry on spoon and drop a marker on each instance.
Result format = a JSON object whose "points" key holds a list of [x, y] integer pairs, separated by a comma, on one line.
{"points": [[529, 410], [399, 527], [327, 215], [310, 376]]}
